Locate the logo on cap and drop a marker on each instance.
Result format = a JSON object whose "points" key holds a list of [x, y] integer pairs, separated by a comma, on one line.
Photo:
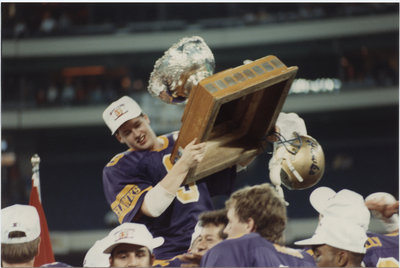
{"points": [[124, 234], [118, 111]]}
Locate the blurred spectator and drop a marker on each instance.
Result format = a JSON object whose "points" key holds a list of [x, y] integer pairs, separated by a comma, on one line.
{"points": [[80, 92], [68, 92], [20, 29], [63, 16], [64, 21], [48, 23], [41, 97], [52, 94], [138, 85], [96, 95]]}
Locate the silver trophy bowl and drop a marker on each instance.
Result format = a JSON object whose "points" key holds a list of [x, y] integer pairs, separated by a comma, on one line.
{"points": [[180, 69]]}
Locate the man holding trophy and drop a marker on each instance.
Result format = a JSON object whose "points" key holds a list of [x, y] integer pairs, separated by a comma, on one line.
{"points": [[142, 185], [149, 183]]}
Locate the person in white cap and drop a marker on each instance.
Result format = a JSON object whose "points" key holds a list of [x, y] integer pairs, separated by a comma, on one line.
{"points": [[142, 185], [208, 233], [95, 257], [20, 235], [256, 222], [340, 237], [131, 245]]}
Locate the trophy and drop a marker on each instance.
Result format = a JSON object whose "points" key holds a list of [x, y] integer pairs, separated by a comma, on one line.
{"points": [[232, 111], [180, 69]]}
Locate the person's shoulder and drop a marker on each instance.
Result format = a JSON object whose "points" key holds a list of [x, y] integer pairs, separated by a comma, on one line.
{"points": [[171, 136], [56, 264], [173, 262], [129, 156], [239, 241], [388, 235], [393, 234], [376, 240]]}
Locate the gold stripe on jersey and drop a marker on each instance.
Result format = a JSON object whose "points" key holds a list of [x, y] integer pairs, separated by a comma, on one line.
{"points": [[165, 142], [373, 241], [288, 251], [115, 159], [395, 233], [164, 263], [126, 200]]}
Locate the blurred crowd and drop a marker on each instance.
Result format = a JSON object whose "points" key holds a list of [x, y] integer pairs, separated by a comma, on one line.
{"points": [[362, 68], [36, 91], [63, 19]]}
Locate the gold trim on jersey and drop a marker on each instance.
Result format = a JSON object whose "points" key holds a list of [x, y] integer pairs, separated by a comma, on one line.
{"points": [[288, 251], [126, 200], [164, 263], [165, 142], [117, 157], [395, 233]]}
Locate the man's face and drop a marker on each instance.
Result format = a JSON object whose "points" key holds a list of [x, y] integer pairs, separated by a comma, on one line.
{"points": [[209, 237], [128, 255], [235, 227], [325, 256], [137, 134]]}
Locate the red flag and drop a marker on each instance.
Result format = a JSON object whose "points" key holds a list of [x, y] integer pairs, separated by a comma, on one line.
{"points": [[45, 254]]}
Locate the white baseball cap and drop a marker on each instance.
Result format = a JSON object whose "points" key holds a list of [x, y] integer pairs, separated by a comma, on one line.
{"points": [[119, 112], [132, 233], [345, 204], [338, 233], [320, 196], [95, 256], [344, 222], [21, 218]]}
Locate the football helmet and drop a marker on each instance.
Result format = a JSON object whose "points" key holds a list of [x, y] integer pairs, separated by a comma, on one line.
{"points": [[302, 161]]}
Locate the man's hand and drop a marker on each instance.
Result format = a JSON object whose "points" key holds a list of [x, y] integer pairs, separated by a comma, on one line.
{"points": [[192, 154], [386, 210], [161, 196], [191, 259]]}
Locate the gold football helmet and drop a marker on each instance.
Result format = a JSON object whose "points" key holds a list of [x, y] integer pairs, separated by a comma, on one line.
{"points": [[303, 161]]}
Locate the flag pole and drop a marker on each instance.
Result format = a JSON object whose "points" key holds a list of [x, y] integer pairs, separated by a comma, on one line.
{"points": [[45, 254], [35, 160]]}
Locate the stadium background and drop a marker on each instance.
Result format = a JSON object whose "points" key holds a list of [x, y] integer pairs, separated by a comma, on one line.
{"points": [[63, 62]]}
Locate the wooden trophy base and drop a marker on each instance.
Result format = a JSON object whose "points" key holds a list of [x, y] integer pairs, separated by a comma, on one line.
{"points": [[233, 111]]}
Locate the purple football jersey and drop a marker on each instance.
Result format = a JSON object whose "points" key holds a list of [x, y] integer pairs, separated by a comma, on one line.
{"points": [[131, 174], [382, 250], [174, 262], [252, 250]]}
